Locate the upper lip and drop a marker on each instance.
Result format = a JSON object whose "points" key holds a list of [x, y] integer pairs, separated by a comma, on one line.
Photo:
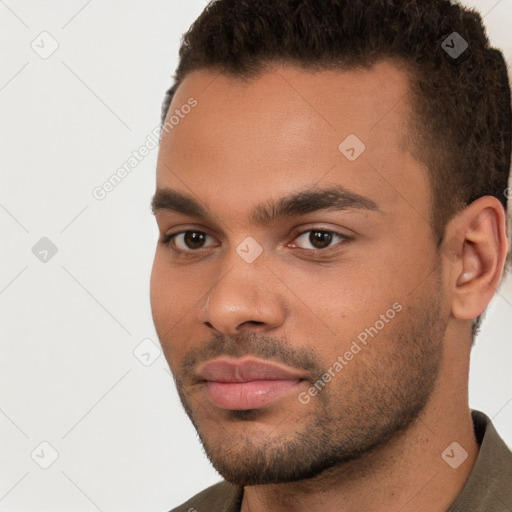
{"points": [[245, 370]]}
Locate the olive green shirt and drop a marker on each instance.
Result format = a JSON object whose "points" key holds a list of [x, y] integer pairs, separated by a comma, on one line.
{"points": [[488, 489]]}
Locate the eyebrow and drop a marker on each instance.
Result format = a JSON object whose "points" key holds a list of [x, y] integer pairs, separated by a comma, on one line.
{"points": [[295, 204]]}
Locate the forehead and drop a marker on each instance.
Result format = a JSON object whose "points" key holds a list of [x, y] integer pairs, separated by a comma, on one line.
{"points": [[288, 129]]}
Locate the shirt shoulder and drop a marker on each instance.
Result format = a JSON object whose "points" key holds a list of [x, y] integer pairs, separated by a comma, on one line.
{"points": [[490, 484], [220, 497]]}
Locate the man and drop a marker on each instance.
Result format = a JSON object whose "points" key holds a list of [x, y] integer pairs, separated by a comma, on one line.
{"points": [[331, 200]]}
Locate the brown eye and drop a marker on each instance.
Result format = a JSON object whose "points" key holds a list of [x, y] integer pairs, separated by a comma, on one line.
{"points": [[318, 239], [194, 239], [187, 241]]}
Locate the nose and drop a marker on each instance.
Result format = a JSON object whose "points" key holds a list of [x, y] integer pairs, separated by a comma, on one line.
{"points": [[247, 296]]}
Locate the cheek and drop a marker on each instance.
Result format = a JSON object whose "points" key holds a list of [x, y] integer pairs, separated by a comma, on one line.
{"points": [[164, 294], [175, 295], [339, 305], [164, 299], [342, 297], [156, 288]]}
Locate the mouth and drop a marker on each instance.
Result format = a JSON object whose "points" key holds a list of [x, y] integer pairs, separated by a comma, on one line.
{"points": [[247, 383], [249, 395]]}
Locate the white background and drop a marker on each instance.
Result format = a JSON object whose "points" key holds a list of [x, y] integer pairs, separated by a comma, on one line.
{"points": [[68, 375]]}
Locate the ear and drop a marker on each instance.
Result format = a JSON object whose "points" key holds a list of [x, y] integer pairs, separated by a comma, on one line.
{"points": [[476, 249]]}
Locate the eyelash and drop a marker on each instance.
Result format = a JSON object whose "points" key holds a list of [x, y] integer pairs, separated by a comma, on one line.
{"points": [[168, 241]]}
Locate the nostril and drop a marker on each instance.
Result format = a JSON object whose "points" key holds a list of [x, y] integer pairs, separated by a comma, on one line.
{"points": [[250, 324]]}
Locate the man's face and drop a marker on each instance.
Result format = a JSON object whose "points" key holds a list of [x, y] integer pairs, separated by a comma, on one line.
{"points": [[341, 285]]}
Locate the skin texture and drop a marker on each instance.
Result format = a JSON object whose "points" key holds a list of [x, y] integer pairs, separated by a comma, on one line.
{"points": [[372, 439]]}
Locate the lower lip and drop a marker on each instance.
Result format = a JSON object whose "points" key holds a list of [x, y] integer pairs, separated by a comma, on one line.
{"points": [[248, 395]]}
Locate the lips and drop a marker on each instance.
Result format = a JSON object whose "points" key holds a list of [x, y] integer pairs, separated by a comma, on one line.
{"points": [[241, 384], [245, 370]]}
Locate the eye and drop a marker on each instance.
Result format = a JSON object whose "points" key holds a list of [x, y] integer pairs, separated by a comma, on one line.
{"points": [[318, 239], [185, 241]]}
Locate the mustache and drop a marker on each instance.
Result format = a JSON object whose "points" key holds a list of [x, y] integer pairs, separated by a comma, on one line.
{"points": [[264, 347]]}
